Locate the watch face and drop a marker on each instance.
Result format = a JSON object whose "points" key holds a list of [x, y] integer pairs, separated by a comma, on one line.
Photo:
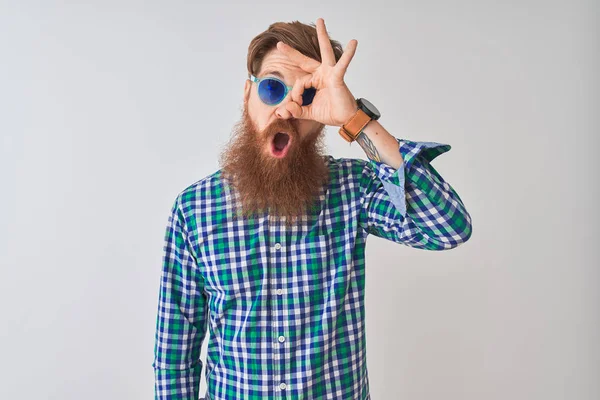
{"points": [[368, 105]]}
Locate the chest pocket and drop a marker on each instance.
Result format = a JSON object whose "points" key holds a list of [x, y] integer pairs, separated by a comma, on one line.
{"points": [[309, 264], [326, 269]]}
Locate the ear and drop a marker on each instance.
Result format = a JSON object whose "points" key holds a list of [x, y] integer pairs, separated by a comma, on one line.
{"points": [[247, 87]]}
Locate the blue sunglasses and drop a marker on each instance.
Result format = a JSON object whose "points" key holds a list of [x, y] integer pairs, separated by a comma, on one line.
{"points": [[272, 91]]}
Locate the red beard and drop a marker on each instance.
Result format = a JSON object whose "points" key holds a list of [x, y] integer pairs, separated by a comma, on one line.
{"points": [[285, 186]]}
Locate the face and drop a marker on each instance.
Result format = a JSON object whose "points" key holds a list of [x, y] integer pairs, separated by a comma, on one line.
{"points": [[275, 162], [262, 114]]}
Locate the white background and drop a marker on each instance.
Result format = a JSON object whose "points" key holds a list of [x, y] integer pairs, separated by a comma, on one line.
{"points": [[109, 108]]}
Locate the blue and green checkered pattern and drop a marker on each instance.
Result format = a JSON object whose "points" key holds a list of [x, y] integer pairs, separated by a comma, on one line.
{"points": [[284, 305]]}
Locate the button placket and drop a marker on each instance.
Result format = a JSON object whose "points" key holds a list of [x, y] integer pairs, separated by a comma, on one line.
{"points": [[278, 282]]}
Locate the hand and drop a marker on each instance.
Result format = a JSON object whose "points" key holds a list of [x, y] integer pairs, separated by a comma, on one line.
{"points": [[333, 103]]}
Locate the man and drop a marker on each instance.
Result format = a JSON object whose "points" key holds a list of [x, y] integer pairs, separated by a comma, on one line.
{"points": [[268, 252]]}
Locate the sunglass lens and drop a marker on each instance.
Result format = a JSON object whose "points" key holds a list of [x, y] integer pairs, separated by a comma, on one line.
{"points": [[307, 96], [271, 91]]}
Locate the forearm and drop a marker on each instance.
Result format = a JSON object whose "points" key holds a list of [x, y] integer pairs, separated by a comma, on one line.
{"points": [[380, 145]]}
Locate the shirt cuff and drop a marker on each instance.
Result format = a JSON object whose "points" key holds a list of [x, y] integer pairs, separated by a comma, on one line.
{"points": [[394, 180]]}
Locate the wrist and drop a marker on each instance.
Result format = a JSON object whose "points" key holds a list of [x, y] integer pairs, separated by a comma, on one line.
{"points": [[349, 115]]}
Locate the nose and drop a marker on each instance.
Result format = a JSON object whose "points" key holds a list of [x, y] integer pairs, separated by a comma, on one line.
{"points": [[281, 112]]}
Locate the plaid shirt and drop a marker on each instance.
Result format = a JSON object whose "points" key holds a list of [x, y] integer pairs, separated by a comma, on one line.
{"points": [[285, 306]]}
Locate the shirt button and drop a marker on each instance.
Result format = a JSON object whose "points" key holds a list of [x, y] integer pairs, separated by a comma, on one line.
{"points": [[281, 339], [277, 246], [279, 291], [282, 386]]}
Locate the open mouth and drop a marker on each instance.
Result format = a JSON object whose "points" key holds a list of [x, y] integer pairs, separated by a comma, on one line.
{"points": [[280, 144]]}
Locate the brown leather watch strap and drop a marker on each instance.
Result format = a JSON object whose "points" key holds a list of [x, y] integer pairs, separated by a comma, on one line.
{"points": [[350, 130]]}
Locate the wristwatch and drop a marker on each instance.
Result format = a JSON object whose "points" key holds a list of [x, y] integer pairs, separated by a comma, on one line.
{"points": [[365, 113]]}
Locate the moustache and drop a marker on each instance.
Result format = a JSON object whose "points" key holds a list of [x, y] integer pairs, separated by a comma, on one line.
{"points": [[280, 125]]}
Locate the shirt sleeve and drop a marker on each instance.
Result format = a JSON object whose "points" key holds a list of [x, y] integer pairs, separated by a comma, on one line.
{"points": [[181, 318], [413, 204]]}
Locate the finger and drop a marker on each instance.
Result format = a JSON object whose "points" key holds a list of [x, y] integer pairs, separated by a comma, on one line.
{"points": [[298, 111], [301, 83], [283, 112], [349, 51], [327, 55], [306, 63]]}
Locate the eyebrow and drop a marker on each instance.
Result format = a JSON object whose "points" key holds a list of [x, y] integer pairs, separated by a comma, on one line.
{"points": [[274, 72]]}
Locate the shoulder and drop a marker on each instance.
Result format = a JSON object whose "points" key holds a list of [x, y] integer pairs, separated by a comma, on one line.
{"points": [[349, 173], [345, 164], [200, 192], [347, 167]]}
